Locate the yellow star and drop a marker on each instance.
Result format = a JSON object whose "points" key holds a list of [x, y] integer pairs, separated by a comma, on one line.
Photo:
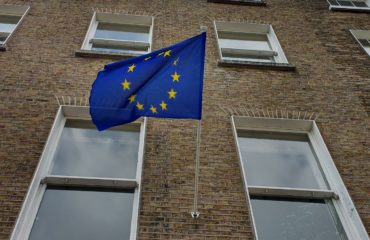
{"points": [[167, 53], [175, 62], [172, 94], [163, 105], [153, 109], [131, 68], [132, 98], [140, 106], [175, 77], [145, 59], [126, 85]]}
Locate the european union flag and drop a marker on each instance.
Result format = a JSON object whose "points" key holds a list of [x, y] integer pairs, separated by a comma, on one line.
{"points": [[166, 83]]}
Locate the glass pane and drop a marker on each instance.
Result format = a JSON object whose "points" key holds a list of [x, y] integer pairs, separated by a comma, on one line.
{"points": [[250, 41], [359, 4], [83, 215], [244, 57], [345, 3], [8, 23], [367, 49], [84, 151], [2, 40], [333, 2], [289, 219], [106, 48], [279, 160], [122, 32], [364, 42]]}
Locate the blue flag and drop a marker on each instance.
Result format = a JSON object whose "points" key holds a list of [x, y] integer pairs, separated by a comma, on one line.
{"points": [[166, 83]]}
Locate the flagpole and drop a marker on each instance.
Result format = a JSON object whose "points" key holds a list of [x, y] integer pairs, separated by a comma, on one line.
{"points": [[195, 213]]}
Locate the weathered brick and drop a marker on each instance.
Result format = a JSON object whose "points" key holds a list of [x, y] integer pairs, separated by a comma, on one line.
{"points": [[332, 78]]}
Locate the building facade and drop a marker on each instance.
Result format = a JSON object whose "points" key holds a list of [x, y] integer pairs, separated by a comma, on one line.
{"points": [[284, 134]]}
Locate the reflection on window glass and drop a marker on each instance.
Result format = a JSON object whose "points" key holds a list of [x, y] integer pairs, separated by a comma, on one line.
{"points": [[284, 161], [345, 3], [106, 48], [241, 42], [7, 26], [8, 23], [333, 2], [83, 215], [122, 32], [244, 41], [359, 4], [364, 42], [245, 57], [84, 151], [293, 219]]}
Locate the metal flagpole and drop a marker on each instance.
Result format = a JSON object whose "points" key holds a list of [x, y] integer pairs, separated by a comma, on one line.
{"points": [[195, 213]]}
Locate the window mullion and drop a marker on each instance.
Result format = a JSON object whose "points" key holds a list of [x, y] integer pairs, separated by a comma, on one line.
{"points": [[291, 192], [73, 181]]}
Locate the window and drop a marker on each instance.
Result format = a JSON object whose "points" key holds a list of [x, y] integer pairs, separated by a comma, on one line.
{"points": [[363, 37], [248, 42], [87, 183], [293, 188], [119, 33], [353, 5], [10, 17]]}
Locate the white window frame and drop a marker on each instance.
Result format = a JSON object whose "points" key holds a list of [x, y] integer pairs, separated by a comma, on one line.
{"points": [[118, 18], [361, 34], [42, 178], [350, 8], [338, 193], [13, 10], [277, 52]]}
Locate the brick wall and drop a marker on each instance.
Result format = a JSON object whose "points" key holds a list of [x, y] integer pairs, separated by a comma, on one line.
{"points": [[332, 78]]}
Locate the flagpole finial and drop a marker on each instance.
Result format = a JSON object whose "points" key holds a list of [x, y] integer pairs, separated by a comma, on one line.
{"points": [[195, 215]]}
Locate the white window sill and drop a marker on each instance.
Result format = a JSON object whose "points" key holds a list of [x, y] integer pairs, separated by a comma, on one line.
{"points": [[264, 65], [241, 2], [349, 9], [104, 54]]}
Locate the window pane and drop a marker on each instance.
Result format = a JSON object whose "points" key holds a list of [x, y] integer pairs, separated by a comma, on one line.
{"points": [[122, 32], [364, 42], [283, 160], [367, 49], [244, 41], [359, 4], [2, 40], [345, 3], [84, 151], [106, 48], [289, 219], [244, 57], [333, 2], [8, 23], [83, 215]]}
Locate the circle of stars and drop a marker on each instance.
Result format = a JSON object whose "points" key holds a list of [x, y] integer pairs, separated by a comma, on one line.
{"points": [[171, 93]]}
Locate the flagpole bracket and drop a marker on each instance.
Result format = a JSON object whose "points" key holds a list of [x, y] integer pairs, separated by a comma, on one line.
{"points": [[195, 215]]}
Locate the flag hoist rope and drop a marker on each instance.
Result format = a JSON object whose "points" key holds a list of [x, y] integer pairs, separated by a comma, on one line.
{"points": [[195, 213]]}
